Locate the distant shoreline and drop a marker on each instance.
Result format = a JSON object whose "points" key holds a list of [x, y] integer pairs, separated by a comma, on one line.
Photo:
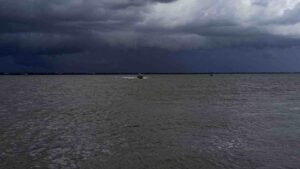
{"points": [[149, 73]]}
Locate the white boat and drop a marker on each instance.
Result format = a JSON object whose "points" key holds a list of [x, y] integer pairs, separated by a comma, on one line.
{"points": [[140, 76]]}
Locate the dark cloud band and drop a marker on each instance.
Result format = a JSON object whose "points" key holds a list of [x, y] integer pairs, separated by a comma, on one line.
{"points": [[39, 29]]}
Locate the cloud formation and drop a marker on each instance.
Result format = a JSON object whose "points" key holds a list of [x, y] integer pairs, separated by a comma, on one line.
{"points": [[39, 28]]}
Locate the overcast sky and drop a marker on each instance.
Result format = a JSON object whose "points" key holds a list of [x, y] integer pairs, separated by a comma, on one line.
{"points": [[149, 35]]}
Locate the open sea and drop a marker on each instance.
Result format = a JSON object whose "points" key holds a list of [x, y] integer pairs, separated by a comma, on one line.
{"points": [[162, 122]]}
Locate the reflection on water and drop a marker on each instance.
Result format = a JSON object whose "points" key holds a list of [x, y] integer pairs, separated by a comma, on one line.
{"points": [[164, 122]]}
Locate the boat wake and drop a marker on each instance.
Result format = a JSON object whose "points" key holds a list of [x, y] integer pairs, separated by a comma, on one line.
{"points": [[132, 77], [127, 77]]}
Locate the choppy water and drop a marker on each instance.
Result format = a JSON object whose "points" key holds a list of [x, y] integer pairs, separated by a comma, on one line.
{"points": [[163, 122]]}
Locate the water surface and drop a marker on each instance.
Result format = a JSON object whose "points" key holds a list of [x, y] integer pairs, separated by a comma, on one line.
{"points": [[163, 122]]}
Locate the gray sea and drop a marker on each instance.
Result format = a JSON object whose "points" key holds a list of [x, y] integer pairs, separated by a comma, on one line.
{"points": [[162, 122]]}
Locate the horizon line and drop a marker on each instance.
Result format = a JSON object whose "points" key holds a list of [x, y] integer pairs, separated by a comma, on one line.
{"points": [[134, 73]]}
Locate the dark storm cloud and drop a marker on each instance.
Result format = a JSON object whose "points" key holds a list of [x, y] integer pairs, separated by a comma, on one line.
{"points": [[43, 33], [49, 27]]}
